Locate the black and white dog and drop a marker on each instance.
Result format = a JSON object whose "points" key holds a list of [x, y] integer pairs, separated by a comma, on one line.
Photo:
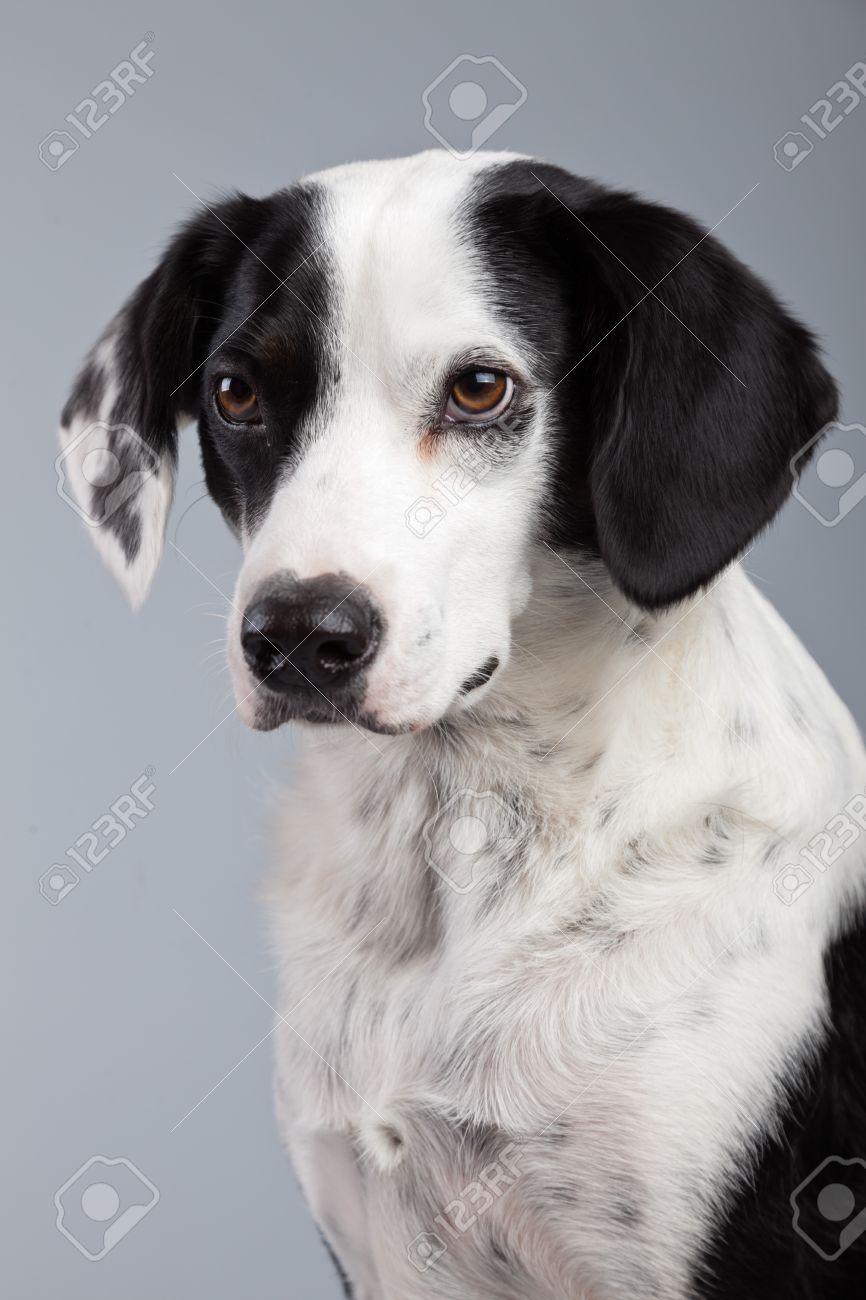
{"points": [[566, 1011]]}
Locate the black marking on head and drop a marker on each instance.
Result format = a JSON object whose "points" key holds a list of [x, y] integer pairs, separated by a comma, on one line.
{"points": [[185, 325], [281, 344], [668, 462]]}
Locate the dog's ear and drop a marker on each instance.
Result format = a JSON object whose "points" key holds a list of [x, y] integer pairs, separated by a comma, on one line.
{"points": [[718, 389], [690, 387], [119, 427]]}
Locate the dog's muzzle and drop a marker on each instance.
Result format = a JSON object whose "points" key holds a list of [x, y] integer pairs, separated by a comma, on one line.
{"points": [[310, 641]]}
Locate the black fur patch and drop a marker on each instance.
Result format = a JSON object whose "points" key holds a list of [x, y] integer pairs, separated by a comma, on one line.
{"points": [[682, 388], [755, 1253], [242, 290]]}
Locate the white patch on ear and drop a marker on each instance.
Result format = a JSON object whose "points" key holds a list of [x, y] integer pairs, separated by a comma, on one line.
{"points": [[116, 483]]}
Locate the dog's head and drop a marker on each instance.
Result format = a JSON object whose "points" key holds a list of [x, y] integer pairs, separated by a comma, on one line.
{"points": [[407, 375]]}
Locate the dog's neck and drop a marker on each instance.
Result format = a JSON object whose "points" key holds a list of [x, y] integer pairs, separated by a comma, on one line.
{"points": [[596, 697]]}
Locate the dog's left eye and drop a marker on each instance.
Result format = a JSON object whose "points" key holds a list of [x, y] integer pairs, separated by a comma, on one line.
{"points": [[479, 395], [237, 401]]}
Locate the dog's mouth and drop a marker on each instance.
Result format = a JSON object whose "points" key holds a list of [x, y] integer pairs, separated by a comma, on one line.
{"points": [[272, 708]]}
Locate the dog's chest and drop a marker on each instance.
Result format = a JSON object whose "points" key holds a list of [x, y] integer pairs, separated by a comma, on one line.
{"points": [[503, 1052]]}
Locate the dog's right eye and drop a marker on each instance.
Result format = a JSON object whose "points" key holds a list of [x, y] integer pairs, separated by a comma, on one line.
{"points": [[237, 401], [478, 396]]}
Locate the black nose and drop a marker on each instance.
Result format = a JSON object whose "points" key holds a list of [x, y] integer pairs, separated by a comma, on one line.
{"points": [[321, 632]]}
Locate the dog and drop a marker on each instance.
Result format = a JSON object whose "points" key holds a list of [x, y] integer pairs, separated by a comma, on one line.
{"points": [[565, 1010]]}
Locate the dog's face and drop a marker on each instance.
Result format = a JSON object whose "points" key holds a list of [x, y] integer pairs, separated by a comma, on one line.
{"points": [[407, 375], [382, 427]]}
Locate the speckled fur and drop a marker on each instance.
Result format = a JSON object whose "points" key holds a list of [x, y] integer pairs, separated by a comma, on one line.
{"points": [[623, 995]]}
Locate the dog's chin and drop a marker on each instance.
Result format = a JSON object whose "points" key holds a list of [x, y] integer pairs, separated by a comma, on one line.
{"points": [[266, 711]]}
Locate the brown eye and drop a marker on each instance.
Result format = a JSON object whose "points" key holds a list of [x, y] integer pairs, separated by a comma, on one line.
{"points": [[236, 400], [479, 395]]}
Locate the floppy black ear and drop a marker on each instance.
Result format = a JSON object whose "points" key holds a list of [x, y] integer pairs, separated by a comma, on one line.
{"points": [[718, 390], [689, 388], [119, 427]]}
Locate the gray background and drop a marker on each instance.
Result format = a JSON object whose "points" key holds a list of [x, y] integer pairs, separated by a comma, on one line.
{"points": [[119, 1018]]}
